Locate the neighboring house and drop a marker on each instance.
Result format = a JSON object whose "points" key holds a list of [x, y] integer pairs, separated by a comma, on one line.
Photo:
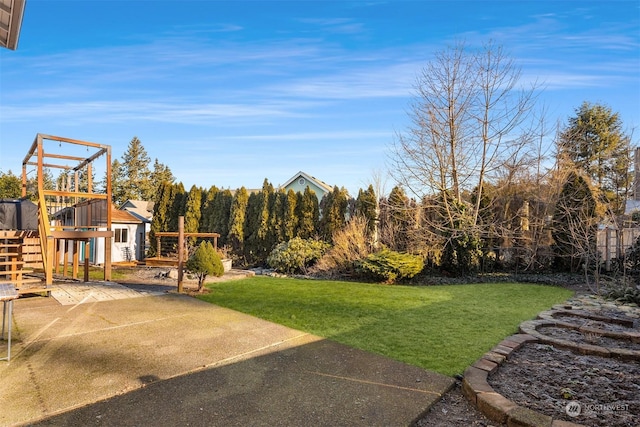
{"points": [[127, 244], [129, 237], [301, 180], [142, 210]]}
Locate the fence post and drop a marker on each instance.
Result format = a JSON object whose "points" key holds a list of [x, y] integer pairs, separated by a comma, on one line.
{"points": [[180, 251], [607, 261]]}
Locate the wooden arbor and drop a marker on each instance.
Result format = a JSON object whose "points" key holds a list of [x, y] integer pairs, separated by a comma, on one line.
{"points": [[90, 211]]}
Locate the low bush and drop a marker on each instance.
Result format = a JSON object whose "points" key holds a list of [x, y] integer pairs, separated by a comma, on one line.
{"points": [[629, 294], [350, 244], [389, 266], [205, 261], [296, 255]]}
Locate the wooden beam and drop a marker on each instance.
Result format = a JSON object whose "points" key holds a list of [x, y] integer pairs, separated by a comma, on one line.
{"points": [[24, 181], [40, 176], [71, 141], [65, 258], [56, 268], [90, 159], [50, 165], [89, 180], [48, 268], [74, 194], [86, 260], [108, 187], [176, 234], [76, 259], [80, 235], [107, 258], [32, 150], [65, 157]]}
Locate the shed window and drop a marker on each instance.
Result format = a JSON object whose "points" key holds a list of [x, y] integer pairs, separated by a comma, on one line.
{"points": [[122, 235]]}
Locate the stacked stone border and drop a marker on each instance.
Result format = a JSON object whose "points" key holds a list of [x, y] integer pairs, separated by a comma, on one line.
{"points": [[502, 410], [547, 318]]}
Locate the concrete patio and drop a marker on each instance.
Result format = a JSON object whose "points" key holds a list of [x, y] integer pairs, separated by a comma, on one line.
{"points": [[115, 356]]}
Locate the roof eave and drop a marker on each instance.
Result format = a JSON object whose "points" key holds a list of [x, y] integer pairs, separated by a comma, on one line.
{"points": [[16, 14]]}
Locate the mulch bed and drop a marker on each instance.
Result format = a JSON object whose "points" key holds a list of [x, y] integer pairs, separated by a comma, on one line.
{"points": [[546, 379], [607, 326], [588, 338]]}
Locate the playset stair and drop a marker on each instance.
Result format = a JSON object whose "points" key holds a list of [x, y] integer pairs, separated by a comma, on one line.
{"points": [[20, 257]]}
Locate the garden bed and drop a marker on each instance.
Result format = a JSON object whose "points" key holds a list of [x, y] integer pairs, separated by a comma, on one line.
{"points": [[546, 379]]}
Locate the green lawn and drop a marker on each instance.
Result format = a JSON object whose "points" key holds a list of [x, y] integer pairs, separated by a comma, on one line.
{"points": [[441, 328]]}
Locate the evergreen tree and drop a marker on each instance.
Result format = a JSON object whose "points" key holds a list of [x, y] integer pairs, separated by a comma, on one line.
{"points": [[160, 174], [308, 214], [83, 180], [290, 217], [131, 178], [178, 205], [236, 220], [193, 213], [62, 181], [251, 227], [367, 207], [205, 261], [276, 218], [257, 230], [10, 186], [208, 210], [67, 180], [221, 214], [398, 219], [334, 210], [161, 213], [323, 221], [118, 193], [32, 184], [595, 143], [575, 224], [266, 204]]}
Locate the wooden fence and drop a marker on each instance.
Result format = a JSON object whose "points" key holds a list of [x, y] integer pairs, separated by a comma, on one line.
{"points": [[613, 243]]}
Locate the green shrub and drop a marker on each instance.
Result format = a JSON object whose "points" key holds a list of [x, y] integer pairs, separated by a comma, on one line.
{"points": [[624, 293], [389, 266], [296, 255], [205, 261], [350, 244]]}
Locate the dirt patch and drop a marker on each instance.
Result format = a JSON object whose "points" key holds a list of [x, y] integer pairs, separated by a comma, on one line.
{"points": [[454, 410], [166, 278]]}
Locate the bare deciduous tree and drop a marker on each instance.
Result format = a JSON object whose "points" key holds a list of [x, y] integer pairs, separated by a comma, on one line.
{"points": [[470, 119]]}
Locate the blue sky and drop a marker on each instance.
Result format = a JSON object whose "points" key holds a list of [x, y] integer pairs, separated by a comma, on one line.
{"points": [[232, 92]]}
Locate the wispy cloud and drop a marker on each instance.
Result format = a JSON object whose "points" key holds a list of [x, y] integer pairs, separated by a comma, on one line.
{"points": [[335, 25], [165, 111]]}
